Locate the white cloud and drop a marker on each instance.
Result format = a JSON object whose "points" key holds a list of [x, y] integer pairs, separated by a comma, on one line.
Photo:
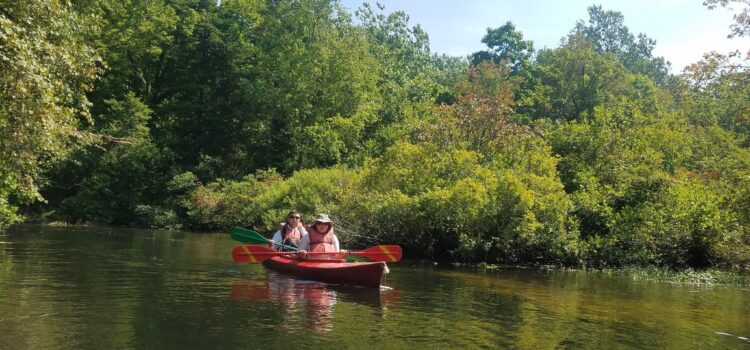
{"points": [[690, 50]]}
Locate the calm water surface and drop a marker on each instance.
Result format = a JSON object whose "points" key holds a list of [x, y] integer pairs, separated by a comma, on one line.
{"points": [[103, 288]]}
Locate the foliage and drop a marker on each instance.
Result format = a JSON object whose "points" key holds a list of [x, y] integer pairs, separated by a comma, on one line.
{"points": [[689, 275], [505, 44], [207, 115], [579, 79], [481, 115], [47, 67], [222, 204], [608, 34], [311, 191], [714, 90], [263, 200], [626, 172], [741, 25], [446, 203]]}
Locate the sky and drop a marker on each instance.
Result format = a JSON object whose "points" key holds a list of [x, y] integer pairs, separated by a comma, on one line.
{"points": [[683, 29]]}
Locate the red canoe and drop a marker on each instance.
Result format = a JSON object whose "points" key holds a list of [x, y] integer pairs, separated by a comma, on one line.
{"points": [[329, 270]]}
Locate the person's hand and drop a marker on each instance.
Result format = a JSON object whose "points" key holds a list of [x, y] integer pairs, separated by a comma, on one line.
{"points": [[343, 251], [301, 253], [270, 243]]}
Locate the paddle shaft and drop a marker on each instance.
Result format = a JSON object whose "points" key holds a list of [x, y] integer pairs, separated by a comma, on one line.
{"points": [[249, 236], [257, 253]]}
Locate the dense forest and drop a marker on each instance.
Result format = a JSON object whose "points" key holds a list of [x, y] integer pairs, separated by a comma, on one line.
{"points": [[203, 115]]}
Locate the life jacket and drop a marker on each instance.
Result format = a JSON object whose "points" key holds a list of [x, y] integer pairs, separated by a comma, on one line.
{"points": [[321, 243], [290, 236]]}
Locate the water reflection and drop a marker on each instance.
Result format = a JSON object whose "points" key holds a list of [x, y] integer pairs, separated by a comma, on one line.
{"points": [[103, 288], [309, 304]]}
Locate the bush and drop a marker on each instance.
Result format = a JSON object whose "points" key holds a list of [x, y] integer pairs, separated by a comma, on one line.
{"points": [[263, 200], [155, 217], [310, 191], [224, 204], [446, 204], [685, 225]]}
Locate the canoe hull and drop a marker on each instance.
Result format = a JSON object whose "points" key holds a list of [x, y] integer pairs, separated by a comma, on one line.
{"points": [[330, 271]]}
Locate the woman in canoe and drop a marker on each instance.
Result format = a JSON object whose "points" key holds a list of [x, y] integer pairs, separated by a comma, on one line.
{"points": [[320, 237], [290, 232]]}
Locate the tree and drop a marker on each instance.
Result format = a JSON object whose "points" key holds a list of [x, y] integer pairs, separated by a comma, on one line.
{"points": [[106, 181], [312, 87], [450, 71], [741, 25], [608, 34], [408, 82], [481, 117], [46, 68], [574, 80], [715, 92], [505, 44]]}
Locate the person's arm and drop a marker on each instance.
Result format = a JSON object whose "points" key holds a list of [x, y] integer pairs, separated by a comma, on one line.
{"points": [[303, 246], [304, 242], [277, 240], [336, 244]]}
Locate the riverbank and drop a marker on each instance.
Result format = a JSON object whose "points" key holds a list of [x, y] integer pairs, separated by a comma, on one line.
{"points": [[649, 273], [711, 276]]}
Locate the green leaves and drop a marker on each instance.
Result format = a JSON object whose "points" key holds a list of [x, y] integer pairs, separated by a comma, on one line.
{"points": [[506, 46], [607, 33], [589, 153], [47, 69], [465, 207]]}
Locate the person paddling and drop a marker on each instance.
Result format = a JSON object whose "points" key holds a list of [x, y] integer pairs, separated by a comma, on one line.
{"points": [[290, 232], [319, 238]]}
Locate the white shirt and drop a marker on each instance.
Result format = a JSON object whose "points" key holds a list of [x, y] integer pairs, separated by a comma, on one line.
{"points": [[304, 243], [277, 239]]}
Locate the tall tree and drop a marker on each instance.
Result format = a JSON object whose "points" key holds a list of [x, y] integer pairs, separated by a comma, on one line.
{"points": [[607, 32], [575, 80], [481, 117], [406, 77], [312, 86], [716, 92], [505, 44], [45, 70], [507, 47]]}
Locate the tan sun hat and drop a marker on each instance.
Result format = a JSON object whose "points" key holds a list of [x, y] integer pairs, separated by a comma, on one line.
{"points": [[324, 219]]}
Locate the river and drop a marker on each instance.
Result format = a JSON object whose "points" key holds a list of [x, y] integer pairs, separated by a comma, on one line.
{"points": [[108, 288]]}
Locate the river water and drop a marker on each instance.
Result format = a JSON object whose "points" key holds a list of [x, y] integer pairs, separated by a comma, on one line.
{"points": [[105, 288]]}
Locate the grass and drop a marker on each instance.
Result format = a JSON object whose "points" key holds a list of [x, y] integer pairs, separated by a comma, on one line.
{"points": [[652, 273], [710, 276]]}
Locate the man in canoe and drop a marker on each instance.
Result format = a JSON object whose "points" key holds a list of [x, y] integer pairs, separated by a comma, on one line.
{"points": [[319, 238], [290, 232]]}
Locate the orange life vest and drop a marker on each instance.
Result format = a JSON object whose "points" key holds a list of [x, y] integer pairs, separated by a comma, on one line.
{"points": [[290, 236], [319, 242]]}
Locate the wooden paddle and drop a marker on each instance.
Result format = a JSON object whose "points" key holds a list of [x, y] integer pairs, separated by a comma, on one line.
{"points": [[244, 235], [259, 253]]}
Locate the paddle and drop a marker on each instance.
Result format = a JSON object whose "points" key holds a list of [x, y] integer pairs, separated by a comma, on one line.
{"points": [[243, 235], [258, 253]]}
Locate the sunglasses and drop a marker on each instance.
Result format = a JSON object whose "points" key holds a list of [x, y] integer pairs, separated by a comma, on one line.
{"points": [[294, 217]]}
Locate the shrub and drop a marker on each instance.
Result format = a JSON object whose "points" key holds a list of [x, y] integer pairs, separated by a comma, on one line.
{"points": [[447, 204]]}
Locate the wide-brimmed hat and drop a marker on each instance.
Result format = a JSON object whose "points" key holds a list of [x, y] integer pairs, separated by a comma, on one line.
{"points": [[324, 219]]}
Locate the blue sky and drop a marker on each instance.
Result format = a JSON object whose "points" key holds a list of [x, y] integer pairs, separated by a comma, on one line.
{"points": [[683, 29]]}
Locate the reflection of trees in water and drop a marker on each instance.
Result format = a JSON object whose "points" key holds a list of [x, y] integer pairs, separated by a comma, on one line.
{"points": [[313, 300]]}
